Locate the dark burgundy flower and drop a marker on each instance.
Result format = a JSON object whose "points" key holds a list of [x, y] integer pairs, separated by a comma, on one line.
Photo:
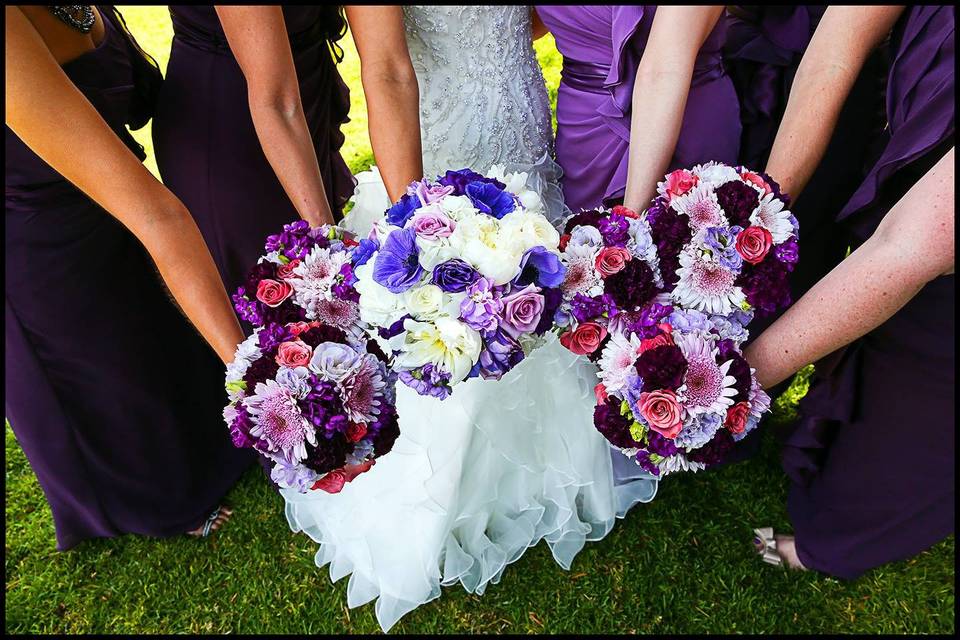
{"points": [[552, 299], [614, 230], [323, 333], [613, 426], [585, 218], [715, 450], [662, 367], [632, 286], [775, 188], [329, 455], [387, 427], [260, 370], [670, 232], [766, 286], [739, 369], [738, 200], [660, 445]]}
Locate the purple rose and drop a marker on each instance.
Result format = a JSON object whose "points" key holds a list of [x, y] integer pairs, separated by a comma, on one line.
{"points": [[460, 179], [433, 225], [522, 310], [541, 267], [482, 307], [454, 275]]}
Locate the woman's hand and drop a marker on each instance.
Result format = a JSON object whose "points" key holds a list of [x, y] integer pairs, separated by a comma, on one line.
{"points": [[912, 245], [392, 93], [258, 39], [665, 71], [52, 117]]}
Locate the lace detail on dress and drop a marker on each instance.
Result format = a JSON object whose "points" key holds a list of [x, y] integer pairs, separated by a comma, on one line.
{"points": [[483, 100]]}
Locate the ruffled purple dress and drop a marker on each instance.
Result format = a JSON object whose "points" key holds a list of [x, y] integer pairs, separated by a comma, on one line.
{"points": [[601, 48], [872, 460], [207, 148], [113, 396]]}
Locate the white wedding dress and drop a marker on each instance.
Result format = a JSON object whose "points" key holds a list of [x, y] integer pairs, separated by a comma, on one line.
{"points": [[476, 479]]}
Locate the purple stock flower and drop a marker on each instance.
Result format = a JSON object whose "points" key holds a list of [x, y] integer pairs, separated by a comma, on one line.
{"points": [[240, 428], [427, 381], [490, 199], [660, 445], [584, 308], [482, 307], [248, 310], [614, 229], [272, 335], [397, 266], [454, 275], [402, 211], [541, 267], [787, 252], [500, 354], [644, 322]]}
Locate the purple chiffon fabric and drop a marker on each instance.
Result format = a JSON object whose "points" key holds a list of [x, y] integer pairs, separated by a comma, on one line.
{"points": [[601, 48], [207, 148], [111, 393], [872, 459]]}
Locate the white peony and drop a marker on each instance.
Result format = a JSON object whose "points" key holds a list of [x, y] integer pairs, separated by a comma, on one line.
{"points": [[448, 344], [525, 230], [457, 207]]}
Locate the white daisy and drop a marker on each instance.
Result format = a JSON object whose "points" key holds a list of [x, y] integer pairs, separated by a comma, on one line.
{"points": [[617, 360], [706, 285], [714, 174], [771, 215]]}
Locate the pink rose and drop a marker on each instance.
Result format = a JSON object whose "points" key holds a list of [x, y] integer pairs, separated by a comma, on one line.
{"points": [[272, 293], [296, 328], [356, 431], [294, 353], [433, 225], [584, 339], [737, 416], [756, 180], [610, 260], [661, 340], [600, 392], [626, 212], [285, 271], [333, 482], [753, 243], [679, 182], [522, 310], [662, 412]]}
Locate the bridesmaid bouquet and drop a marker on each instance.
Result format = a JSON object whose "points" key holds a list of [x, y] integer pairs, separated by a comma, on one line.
{"points": [[308, 389], [461, 278], [612, 275], [725, 239], [676, 393]]}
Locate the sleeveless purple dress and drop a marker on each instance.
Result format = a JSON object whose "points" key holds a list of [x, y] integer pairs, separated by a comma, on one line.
{"points": [[763, 49], [207, 148], [113, 396], [872, 460], [601, 48]]}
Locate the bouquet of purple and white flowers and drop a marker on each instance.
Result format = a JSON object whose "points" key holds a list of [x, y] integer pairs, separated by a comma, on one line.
{"points": [[308, 389], [612, 276], [461, 278], [725, 239], [676, 393]]}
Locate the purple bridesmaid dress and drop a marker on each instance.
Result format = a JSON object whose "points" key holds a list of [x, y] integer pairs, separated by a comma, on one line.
{"points": [[113, 396], [601, 48], [207, 148], [872, 460]]}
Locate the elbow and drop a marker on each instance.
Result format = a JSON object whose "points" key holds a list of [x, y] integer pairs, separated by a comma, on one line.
{"points": [[397, 75], [283, 104]]}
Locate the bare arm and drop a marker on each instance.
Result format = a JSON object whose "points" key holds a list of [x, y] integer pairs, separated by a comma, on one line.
{"points": [[392, 94], [55, 120], [913, 245], [665, 71], [837, 52], [258, 38]]}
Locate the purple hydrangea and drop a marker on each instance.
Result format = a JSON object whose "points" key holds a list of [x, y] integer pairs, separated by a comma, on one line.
{"points": [[427, 381]]}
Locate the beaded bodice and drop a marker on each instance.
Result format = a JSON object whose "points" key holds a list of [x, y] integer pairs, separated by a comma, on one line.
{"points": [[482, 95]]}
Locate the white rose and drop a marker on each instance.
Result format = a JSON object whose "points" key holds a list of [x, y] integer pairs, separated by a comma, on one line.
{"points": [[434, 252], [423, 302], [457, 207]]}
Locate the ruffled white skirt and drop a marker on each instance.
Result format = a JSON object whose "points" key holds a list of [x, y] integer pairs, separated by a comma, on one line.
{"points": [[472, 482]]}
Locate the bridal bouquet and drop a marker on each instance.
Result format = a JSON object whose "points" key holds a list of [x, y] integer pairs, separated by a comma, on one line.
{"points": [[675, 392], [612, 274], [461, 278], [725, 239], [308, 389]]}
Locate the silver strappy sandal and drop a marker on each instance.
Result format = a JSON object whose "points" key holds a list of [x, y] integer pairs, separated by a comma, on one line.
{"points": [[766, 546]]}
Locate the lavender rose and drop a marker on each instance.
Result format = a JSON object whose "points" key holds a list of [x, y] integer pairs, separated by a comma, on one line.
{"points": [[522, 310], [453, 276]]}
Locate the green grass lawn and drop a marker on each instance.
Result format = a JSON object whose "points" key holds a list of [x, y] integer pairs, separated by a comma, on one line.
{"points": [[682, 564]]}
